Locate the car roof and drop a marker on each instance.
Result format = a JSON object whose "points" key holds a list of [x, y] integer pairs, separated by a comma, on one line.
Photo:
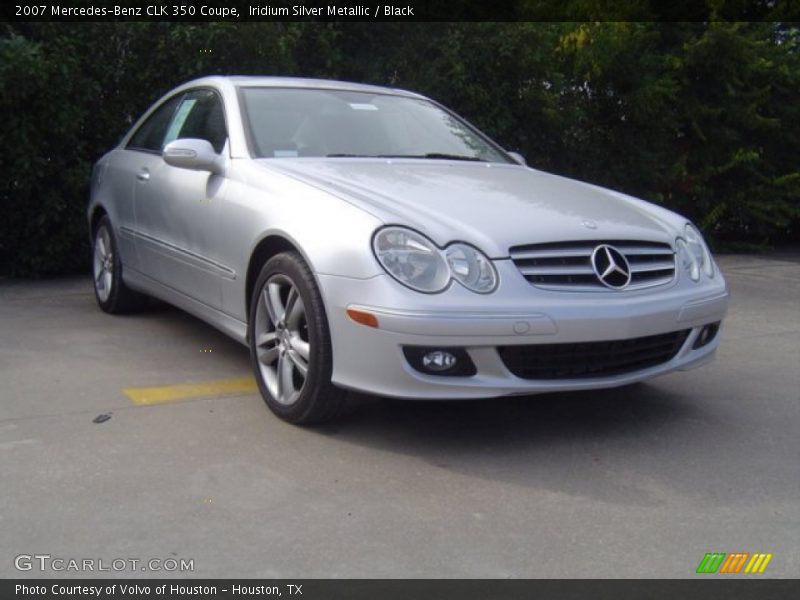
{"points": [[296, 82]]}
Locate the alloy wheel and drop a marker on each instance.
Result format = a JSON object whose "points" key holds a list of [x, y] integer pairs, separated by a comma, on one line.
{"points": [[103, 262], [281, 339]]}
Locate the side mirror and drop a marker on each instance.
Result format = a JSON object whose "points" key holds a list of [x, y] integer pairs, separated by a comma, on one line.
{"points": [[518, 158], [192, 153]]}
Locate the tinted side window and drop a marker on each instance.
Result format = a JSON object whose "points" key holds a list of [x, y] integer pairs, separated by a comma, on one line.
{"points": [[150, 136], [200, 116]]}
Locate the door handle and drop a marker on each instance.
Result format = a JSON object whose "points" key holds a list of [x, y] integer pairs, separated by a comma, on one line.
{"points": [[143, 175]]}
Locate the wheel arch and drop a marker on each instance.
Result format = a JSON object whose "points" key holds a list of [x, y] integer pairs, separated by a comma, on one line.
{"points": [[269, 246], [98, 212]]}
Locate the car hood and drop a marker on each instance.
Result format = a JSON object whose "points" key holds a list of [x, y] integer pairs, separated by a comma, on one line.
{"points": [[491, 206]]}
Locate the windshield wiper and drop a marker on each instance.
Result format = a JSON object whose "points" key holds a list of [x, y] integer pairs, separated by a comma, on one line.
{"points": [[436, 156], [432, 155], [443, 156], [344, 155]]}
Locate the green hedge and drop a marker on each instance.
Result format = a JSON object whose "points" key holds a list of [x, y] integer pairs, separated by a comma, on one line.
{"points": [[700, 117]]}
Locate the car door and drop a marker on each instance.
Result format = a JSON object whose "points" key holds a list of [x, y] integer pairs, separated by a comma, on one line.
{"points": [[176, 209], [123, 167]]}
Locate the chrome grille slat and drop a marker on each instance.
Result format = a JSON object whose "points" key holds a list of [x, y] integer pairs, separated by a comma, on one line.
{"points": [[638, 250], [557, 269], [567, 266], [587, 252], [647, 281], [652, 266]]}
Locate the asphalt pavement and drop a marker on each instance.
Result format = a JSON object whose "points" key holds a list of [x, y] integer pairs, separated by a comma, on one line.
{"points": [[637, 482]]}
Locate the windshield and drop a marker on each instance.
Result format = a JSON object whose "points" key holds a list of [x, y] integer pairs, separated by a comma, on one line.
{"points": [[285, 123]]}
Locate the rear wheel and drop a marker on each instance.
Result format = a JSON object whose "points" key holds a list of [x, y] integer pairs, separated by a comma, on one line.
{"points": [[113, 296], [290, 346]]}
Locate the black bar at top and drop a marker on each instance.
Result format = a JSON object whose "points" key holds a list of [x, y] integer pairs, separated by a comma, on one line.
{"points": [[407, 10]]}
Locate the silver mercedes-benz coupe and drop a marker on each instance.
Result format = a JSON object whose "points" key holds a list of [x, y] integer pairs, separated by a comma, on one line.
{"points": [[366, 238]]}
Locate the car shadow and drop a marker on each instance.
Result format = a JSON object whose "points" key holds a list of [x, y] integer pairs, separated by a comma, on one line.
{"points": [[594, 444]]}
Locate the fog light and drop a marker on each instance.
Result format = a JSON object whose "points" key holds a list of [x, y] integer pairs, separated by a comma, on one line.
{"points": [[439, 360], [706, 335], [450, 362]]}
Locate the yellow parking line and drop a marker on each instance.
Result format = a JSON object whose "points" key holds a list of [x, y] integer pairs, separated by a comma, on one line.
{"points": [[171, 393]]}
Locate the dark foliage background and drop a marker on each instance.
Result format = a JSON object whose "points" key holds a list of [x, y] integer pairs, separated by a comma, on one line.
{"points": [[701, 117]]}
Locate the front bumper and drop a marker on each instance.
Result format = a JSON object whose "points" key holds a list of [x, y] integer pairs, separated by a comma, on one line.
{"points": [[371, 360]]}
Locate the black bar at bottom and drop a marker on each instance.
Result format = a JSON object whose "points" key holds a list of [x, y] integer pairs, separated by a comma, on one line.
{"points": [[711, 587]]}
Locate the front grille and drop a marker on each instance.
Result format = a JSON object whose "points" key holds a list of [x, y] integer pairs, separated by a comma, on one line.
{"points": [[591, 359], [567, 265]]}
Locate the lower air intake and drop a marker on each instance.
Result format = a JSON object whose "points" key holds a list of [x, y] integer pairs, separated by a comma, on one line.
{"points": [[591, 359]]}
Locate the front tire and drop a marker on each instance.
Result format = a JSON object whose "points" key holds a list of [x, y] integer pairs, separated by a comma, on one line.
{"points": [[113, 296], [290, 346]]}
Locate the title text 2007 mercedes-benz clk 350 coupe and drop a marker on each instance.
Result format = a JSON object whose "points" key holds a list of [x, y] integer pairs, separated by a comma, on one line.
{"points": [[366, 238]]}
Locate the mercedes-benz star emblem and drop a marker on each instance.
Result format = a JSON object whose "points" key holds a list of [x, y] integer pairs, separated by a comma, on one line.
{"points": [[611, 267]]}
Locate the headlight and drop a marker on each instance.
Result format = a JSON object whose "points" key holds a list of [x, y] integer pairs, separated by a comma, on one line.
{"points": [[471, 268], [412, 259], [416, 262], [694, 253]]}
